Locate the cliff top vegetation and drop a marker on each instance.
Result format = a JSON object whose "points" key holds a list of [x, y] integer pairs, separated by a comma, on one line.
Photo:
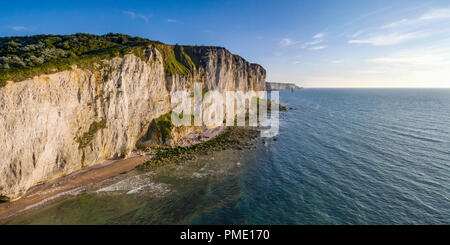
{"points": [[24, 57]]}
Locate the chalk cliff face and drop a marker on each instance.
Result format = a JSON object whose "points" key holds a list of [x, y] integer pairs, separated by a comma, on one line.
{"points": [[55, 124]]}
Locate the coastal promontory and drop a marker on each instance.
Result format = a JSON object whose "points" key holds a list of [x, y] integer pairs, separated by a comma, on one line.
{"points": [[72, 101]]}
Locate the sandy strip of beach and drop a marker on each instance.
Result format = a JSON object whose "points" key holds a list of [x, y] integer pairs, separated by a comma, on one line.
{"points": [[41, 193]]}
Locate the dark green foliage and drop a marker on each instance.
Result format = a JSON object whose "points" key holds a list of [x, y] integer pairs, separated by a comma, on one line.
{"points": [[195, 53], [162, 126], [176, 61], [87, 137], [25, 57], [234, 137], [204, 91]]}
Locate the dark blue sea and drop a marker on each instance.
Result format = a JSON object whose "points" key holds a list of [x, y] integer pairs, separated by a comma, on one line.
{"points": [[350, 156], [343, 156]]}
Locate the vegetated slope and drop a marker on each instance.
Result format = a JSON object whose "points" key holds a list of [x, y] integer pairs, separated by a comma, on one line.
{"points": [[24, 57]]}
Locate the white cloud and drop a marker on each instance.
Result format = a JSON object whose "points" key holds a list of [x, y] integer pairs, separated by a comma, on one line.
{"points": [[423, 57], [286, 42], [380, 78], [316, 39], [319, 35], [427, 25], [395, 24], [436, 14], [18, 28], [390, 39], [136, 15], [432, 15], [419, 67], [171, 20], [313, 42], [357, 34], [337, 61], [317, 47]]}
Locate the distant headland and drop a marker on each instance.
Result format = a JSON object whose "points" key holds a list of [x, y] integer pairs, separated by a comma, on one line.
{"points": [[281, 86]]}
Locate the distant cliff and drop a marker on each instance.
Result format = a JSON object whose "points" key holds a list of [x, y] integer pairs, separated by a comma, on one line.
{"points": [[73, 113], [281, 86]]}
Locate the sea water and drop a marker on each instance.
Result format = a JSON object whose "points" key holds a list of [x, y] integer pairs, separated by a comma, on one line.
{"points": [[343, 156]]}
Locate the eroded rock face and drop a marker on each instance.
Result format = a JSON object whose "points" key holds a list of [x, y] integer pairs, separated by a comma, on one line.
{"points": [[55, 124]]}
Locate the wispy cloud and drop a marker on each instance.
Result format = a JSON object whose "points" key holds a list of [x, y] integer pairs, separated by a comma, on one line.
{"points": [[18, 28], [171, 20], [419, 57], [436, 14], [425, 19], [357, 34], [135, 15], [313, 44], [417, 67], [389, 39], [318, 47], [319, 35], [395, 24], [286, 42], [404, 30]]}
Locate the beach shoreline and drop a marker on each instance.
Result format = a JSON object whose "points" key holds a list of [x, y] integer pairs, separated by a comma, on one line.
{"points": [[70, 184], [58, 188]]}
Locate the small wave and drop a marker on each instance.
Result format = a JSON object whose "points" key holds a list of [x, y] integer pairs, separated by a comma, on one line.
{"points": [[136, 185], [72, 192], [428, 139], [157, 189], [199, 175], [412, 134]]}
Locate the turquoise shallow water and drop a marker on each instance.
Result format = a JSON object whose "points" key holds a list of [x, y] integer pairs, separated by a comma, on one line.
{"points": [[344, 156]]}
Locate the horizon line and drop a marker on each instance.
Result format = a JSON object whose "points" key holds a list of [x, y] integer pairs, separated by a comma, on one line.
{"points": [[383, 87]]}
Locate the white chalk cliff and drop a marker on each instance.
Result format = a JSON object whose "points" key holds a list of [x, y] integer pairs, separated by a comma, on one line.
{"points": [[54, 124]]}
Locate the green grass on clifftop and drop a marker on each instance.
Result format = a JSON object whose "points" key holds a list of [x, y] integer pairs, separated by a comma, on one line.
{"points": [[24, 57], [176, 61]]}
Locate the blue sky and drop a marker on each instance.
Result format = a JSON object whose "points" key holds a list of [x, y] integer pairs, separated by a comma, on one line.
{"points": [[401, 43]]}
